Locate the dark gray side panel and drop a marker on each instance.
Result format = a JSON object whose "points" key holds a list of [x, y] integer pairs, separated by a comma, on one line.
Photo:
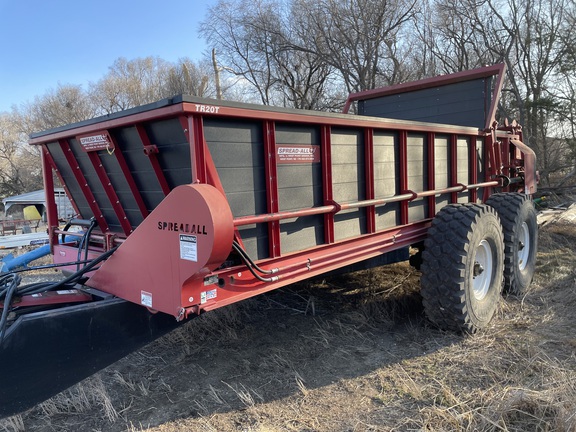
{"points": [[442, 168], [121, 187], [481, 173], [463, 104], [348, 181], [463, 169], [237, 149], [139, 165], [173, 150], [386, 175], [70, 181], [95, 186], [417, 175], [299, 187]]}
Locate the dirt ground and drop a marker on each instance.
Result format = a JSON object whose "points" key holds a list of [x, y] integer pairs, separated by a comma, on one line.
{"points": [[348, 353]]}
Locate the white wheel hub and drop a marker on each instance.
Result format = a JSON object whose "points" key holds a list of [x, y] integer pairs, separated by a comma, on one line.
{"points": [[523, 246], [482, 272]]}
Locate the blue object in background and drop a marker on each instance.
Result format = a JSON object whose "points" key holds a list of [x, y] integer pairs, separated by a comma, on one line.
{"points": [[10, 263]]}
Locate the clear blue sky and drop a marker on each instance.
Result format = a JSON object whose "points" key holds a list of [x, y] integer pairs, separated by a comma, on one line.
{"points": [[47, 42]]}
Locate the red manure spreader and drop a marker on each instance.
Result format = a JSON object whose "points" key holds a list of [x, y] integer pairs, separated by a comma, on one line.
{"points": [[189, 204]]}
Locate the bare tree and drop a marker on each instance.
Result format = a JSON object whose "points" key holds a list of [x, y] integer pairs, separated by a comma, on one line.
{"points": [[243, 51], [356, 37], [131, 83], [452, 39], [187, 77], [535, 32], [20, 168], [257, 42], [63, 105], [534, 38]]}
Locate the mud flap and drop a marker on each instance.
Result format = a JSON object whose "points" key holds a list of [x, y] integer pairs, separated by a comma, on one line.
{"points": [[46, 352]]}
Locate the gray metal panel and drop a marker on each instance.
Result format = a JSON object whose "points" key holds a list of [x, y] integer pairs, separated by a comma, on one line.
{"points": [[386, 175], [417, 175], [299, 187], [95, 186], [348, 180], [121, 187], [296, 197], [349, 223], [139, 165], [480, 160], [173, 150], [299, 184], [480, 165], [237, 149], [255, 240], [442, 168], [290, 133], [301, 233], [463, 171], [464, 103], [70, 181]]}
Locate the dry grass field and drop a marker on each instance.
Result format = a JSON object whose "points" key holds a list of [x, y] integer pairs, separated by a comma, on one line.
{"points": [[348, 353]]}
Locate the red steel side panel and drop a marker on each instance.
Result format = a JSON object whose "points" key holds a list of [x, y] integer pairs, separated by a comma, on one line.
{"points": [[201, 210], [51, 210]]}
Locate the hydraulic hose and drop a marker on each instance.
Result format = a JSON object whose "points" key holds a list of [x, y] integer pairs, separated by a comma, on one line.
{"points": [[246, 257], [9, 283], [9, 286], [252, 266], [85, 242]]}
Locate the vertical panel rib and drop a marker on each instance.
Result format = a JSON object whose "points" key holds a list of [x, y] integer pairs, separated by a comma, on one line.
{"points": [[271, 172], [326, 146]]}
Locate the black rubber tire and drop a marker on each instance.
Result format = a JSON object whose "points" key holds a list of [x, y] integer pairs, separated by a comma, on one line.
{"points": [[460, 235], [518, 218]]}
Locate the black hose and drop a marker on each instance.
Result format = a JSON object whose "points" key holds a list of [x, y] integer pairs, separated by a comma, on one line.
{"points": [[246, 257], [79, 254], [251, 265], [93, 224], [9, 286], [69, 281], [10, 281], [85, 242]]}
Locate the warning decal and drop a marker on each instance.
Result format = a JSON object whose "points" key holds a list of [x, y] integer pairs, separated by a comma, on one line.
{"points": [[188, 247], [96, 141], [208, 295], [294, 154], [146, 298]]}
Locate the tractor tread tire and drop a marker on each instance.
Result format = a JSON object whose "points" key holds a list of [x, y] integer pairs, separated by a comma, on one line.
{"points": [[514, 209], [446, 280]]}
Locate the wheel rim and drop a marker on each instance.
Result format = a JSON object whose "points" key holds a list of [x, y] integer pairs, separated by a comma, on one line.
{"points": [[482, 272], [523, 246]]}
